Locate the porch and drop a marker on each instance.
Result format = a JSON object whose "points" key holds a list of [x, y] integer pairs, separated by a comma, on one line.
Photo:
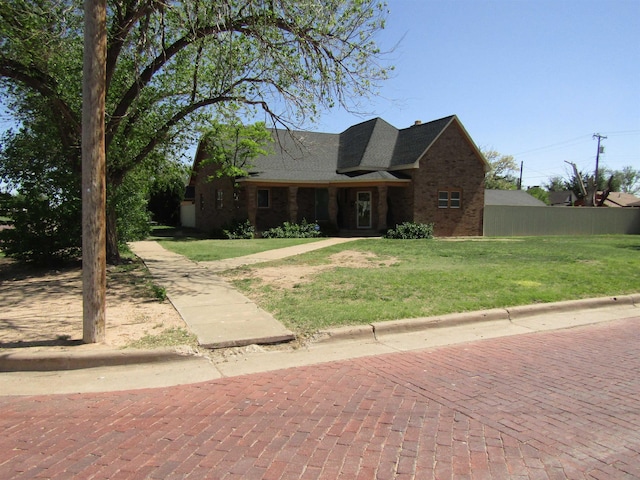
{"points": [[346, 210]]}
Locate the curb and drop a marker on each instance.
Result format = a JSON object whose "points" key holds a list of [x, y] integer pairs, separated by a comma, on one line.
{"points": [[370, 331], [569, 305], [34, 362], [66, 360]]}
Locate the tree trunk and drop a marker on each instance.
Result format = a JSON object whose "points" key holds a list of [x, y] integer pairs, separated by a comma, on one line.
{"points": [[113, 252]]}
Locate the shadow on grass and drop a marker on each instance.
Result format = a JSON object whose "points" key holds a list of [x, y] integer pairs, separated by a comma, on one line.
{"points": [[178, 234]]}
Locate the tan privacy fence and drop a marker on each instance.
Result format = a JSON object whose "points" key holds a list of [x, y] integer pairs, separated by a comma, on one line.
{"points": [[519, 221]]}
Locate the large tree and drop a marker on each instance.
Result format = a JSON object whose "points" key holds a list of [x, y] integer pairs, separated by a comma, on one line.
{"points": [[502, 171], [172, 65]]}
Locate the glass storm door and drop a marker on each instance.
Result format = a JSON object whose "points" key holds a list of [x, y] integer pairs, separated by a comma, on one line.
{"points": [[363, 205]]}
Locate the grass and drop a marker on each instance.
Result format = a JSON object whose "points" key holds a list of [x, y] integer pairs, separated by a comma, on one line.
{"points": [[133, 272], [168, 338], [433, 277], [208, 250]]}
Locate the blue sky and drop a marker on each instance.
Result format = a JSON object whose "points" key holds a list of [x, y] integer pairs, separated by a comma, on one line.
{"points": [[530, 78]]}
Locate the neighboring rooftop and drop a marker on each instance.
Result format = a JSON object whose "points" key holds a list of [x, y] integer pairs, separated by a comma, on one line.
{"points": [[518, 198], [619, 199]]}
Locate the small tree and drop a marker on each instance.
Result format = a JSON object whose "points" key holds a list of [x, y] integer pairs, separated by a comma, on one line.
{"points": [[232, 146], [539, 193]]}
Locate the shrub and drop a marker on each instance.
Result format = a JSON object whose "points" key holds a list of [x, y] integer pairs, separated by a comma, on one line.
{"points": [[239, 231], [410, 230], [294, 230], [44, 232]]}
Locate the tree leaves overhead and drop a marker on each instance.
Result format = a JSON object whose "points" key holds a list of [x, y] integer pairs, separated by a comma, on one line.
{"points": [[172, 66], [168, 60]]}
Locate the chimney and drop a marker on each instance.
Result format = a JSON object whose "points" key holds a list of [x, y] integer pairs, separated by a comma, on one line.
{"points": [[417, 122]]}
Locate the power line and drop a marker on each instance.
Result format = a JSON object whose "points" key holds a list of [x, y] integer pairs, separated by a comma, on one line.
{"points": [[553, 145]]}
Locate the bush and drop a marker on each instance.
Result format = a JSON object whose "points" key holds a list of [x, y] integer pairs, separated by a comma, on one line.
{"points": [[44, 232], [294, 230], [410, 230], [239, 231]]}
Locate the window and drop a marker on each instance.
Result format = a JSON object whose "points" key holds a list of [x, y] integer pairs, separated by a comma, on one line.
{"points": [[263, 198], [219, 199], [449, 199], [454, 199]]}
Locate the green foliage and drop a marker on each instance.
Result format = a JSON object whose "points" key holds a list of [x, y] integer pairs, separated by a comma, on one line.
{"points": [[625, 180], [199, 250], [166, 194], [412, 281], [556, 184], [232, 146], [46, 210], [159, 292], [171, 68], [294, 230], [44, 232], [410, 230], [502, 171], [239, 231], [629, 180], [539, 193]]}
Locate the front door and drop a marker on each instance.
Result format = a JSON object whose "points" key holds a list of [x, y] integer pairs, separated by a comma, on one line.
{"points": [[363, 205]]}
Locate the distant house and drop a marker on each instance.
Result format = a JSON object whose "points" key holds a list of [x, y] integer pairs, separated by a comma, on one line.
{"points": [[565, 198], [516, 198], [364, 180], [619, 199]]}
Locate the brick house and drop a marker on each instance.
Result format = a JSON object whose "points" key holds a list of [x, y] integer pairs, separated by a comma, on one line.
{"points": [[364, 180]]}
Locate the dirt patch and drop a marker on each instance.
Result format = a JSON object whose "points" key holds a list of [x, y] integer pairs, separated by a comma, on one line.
{"points": [[290, 276], [43, 308]]}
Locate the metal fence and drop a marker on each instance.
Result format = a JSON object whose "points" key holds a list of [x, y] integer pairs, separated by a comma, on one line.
{"points": [[506, 221]]}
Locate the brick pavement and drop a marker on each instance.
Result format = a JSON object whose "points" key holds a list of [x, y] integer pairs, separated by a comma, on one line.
{"points": [[554, 405]]}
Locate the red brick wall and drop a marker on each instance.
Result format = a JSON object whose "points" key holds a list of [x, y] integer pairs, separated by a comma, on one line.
{"points": [[451, 163], [208, 216]]}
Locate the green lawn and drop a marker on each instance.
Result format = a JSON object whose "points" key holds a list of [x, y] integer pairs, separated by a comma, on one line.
{"points": [[207, 250], [432, 277]]}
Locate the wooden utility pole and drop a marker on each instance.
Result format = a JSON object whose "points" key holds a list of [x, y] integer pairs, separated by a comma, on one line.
{"points": [[599, 137], [94, 255]]}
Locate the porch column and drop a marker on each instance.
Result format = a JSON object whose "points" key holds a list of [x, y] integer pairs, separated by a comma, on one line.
{"points": [[293, 204], [333, 206], [382, 207], [252, 203]]}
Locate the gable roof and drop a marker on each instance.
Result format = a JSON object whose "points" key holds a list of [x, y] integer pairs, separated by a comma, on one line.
{"points": [[371, 151], [620, 199], [564, 198], [518, 198]]}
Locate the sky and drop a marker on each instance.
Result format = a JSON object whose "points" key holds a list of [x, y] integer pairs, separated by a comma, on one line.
{"points": [[535, 79]]}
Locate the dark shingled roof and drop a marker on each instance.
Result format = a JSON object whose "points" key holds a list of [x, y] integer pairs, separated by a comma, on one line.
{"points": [[368, 151]]}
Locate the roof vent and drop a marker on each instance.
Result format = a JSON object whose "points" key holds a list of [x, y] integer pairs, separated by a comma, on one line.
{"points": [[418, 122]]}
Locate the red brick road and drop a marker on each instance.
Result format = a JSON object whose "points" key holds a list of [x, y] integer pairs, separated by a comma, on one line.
{"points": [[562, 404]]}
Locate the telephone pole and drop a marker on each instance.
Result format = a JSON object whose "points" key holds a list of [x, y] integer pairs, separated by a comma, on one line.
{"points": [[599, 137], [94, 276]]}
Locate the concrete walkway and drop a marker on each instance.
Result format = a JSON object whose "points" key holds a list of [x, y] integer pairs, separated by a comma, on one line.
{"points": [[215, 312]]}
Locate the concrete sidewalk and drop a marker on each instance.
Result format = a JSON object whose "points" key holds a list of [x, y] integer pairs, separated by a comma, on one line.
{"points": [[222, 317], [214, 311]]}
